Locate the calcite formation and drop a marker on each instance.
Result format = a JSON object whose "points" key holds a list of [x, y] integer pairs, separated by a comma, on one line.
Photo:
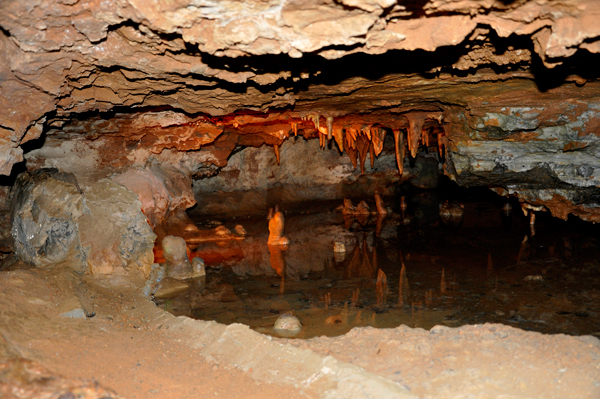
{"points": [[505, 92]]}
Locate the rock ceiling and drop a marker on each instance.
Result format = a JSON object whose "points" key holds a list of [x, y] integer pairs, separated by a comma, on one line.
{"points": [[507, 90]]}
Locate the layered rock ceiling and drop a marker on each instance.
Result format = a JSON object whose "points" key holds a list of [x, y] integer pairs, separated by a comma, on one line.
{"points": [[505, 91]]}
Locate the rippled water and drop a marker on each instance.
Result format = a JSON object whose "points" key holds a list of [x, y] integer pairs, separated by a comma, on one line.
{"points": [[489, 269]]}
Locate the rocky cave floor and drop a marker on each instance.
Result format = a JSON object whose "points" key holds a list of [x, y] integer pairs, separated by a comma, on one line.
{"points": [[131, 348]]}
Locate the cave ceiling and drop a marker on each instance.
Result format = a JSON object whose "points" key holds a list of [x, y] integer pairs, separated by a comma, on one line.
{"points": [[508, 89]]}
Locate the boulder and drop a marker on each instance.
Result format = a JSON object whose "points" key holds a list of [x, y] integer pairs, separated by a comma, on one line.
{"points": [[115, 233], [46, 205], [101, 230]]}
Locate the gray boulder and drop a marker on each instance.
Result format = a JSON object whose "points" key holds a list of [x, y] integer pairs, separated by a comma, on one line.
{"points": [[101, 230]]}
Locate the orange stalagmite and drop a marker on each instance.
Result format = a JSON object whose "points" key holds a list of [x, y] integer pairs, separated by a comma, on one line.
{"points": [[276, 225]]}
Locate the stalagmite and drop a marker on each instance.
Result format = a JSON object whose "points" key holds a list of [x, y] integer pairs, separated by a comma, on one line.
{"points": [[276, 149], [329, 127], [276, 225], [382, 290], [399, 140], [363, 148]]}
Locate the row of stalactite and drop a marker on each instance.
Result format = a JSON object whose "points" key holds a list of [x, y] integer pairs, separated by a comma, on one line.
{"points": [[359, 140]]}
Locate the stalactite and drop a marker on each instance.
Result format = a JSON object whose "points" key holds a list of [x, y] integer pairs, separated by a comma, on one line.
{"points": [[363, 148], [354, 134], [372, 155], [315, 119], [415, 130], [329, 127], [294, 128], [351, 147], [426, 134], [276, 149], [378, 137], [399, 140], [321, 140], [338, 135]]}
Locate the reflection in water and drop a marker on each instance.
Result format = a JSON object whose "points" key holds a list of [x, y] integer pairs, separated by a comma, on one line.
{"points": [[479, 273], [278, 263]]}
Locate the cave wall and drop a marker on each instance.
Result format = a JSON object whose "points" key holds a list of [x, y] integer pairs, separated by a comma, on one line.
{"points": [[253, 180], [96, 87]]}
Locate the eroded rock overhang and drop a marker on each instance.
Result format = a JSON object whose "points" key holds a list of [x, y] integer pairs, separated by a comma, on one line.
{"points": [[506, 90]]}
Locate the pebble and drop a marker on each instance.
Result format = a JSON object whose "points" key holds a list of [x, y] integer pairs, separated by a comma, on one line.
{"points": [[287, 324]]}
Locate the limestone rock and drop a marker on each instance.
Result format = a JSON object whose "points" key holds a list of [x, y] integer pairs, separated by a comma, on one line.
{"points": [[156, 275], [287, 325], [45, 210], [100, 230], [115, 233], [162, 190], [198, 267], [176, 258]]}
